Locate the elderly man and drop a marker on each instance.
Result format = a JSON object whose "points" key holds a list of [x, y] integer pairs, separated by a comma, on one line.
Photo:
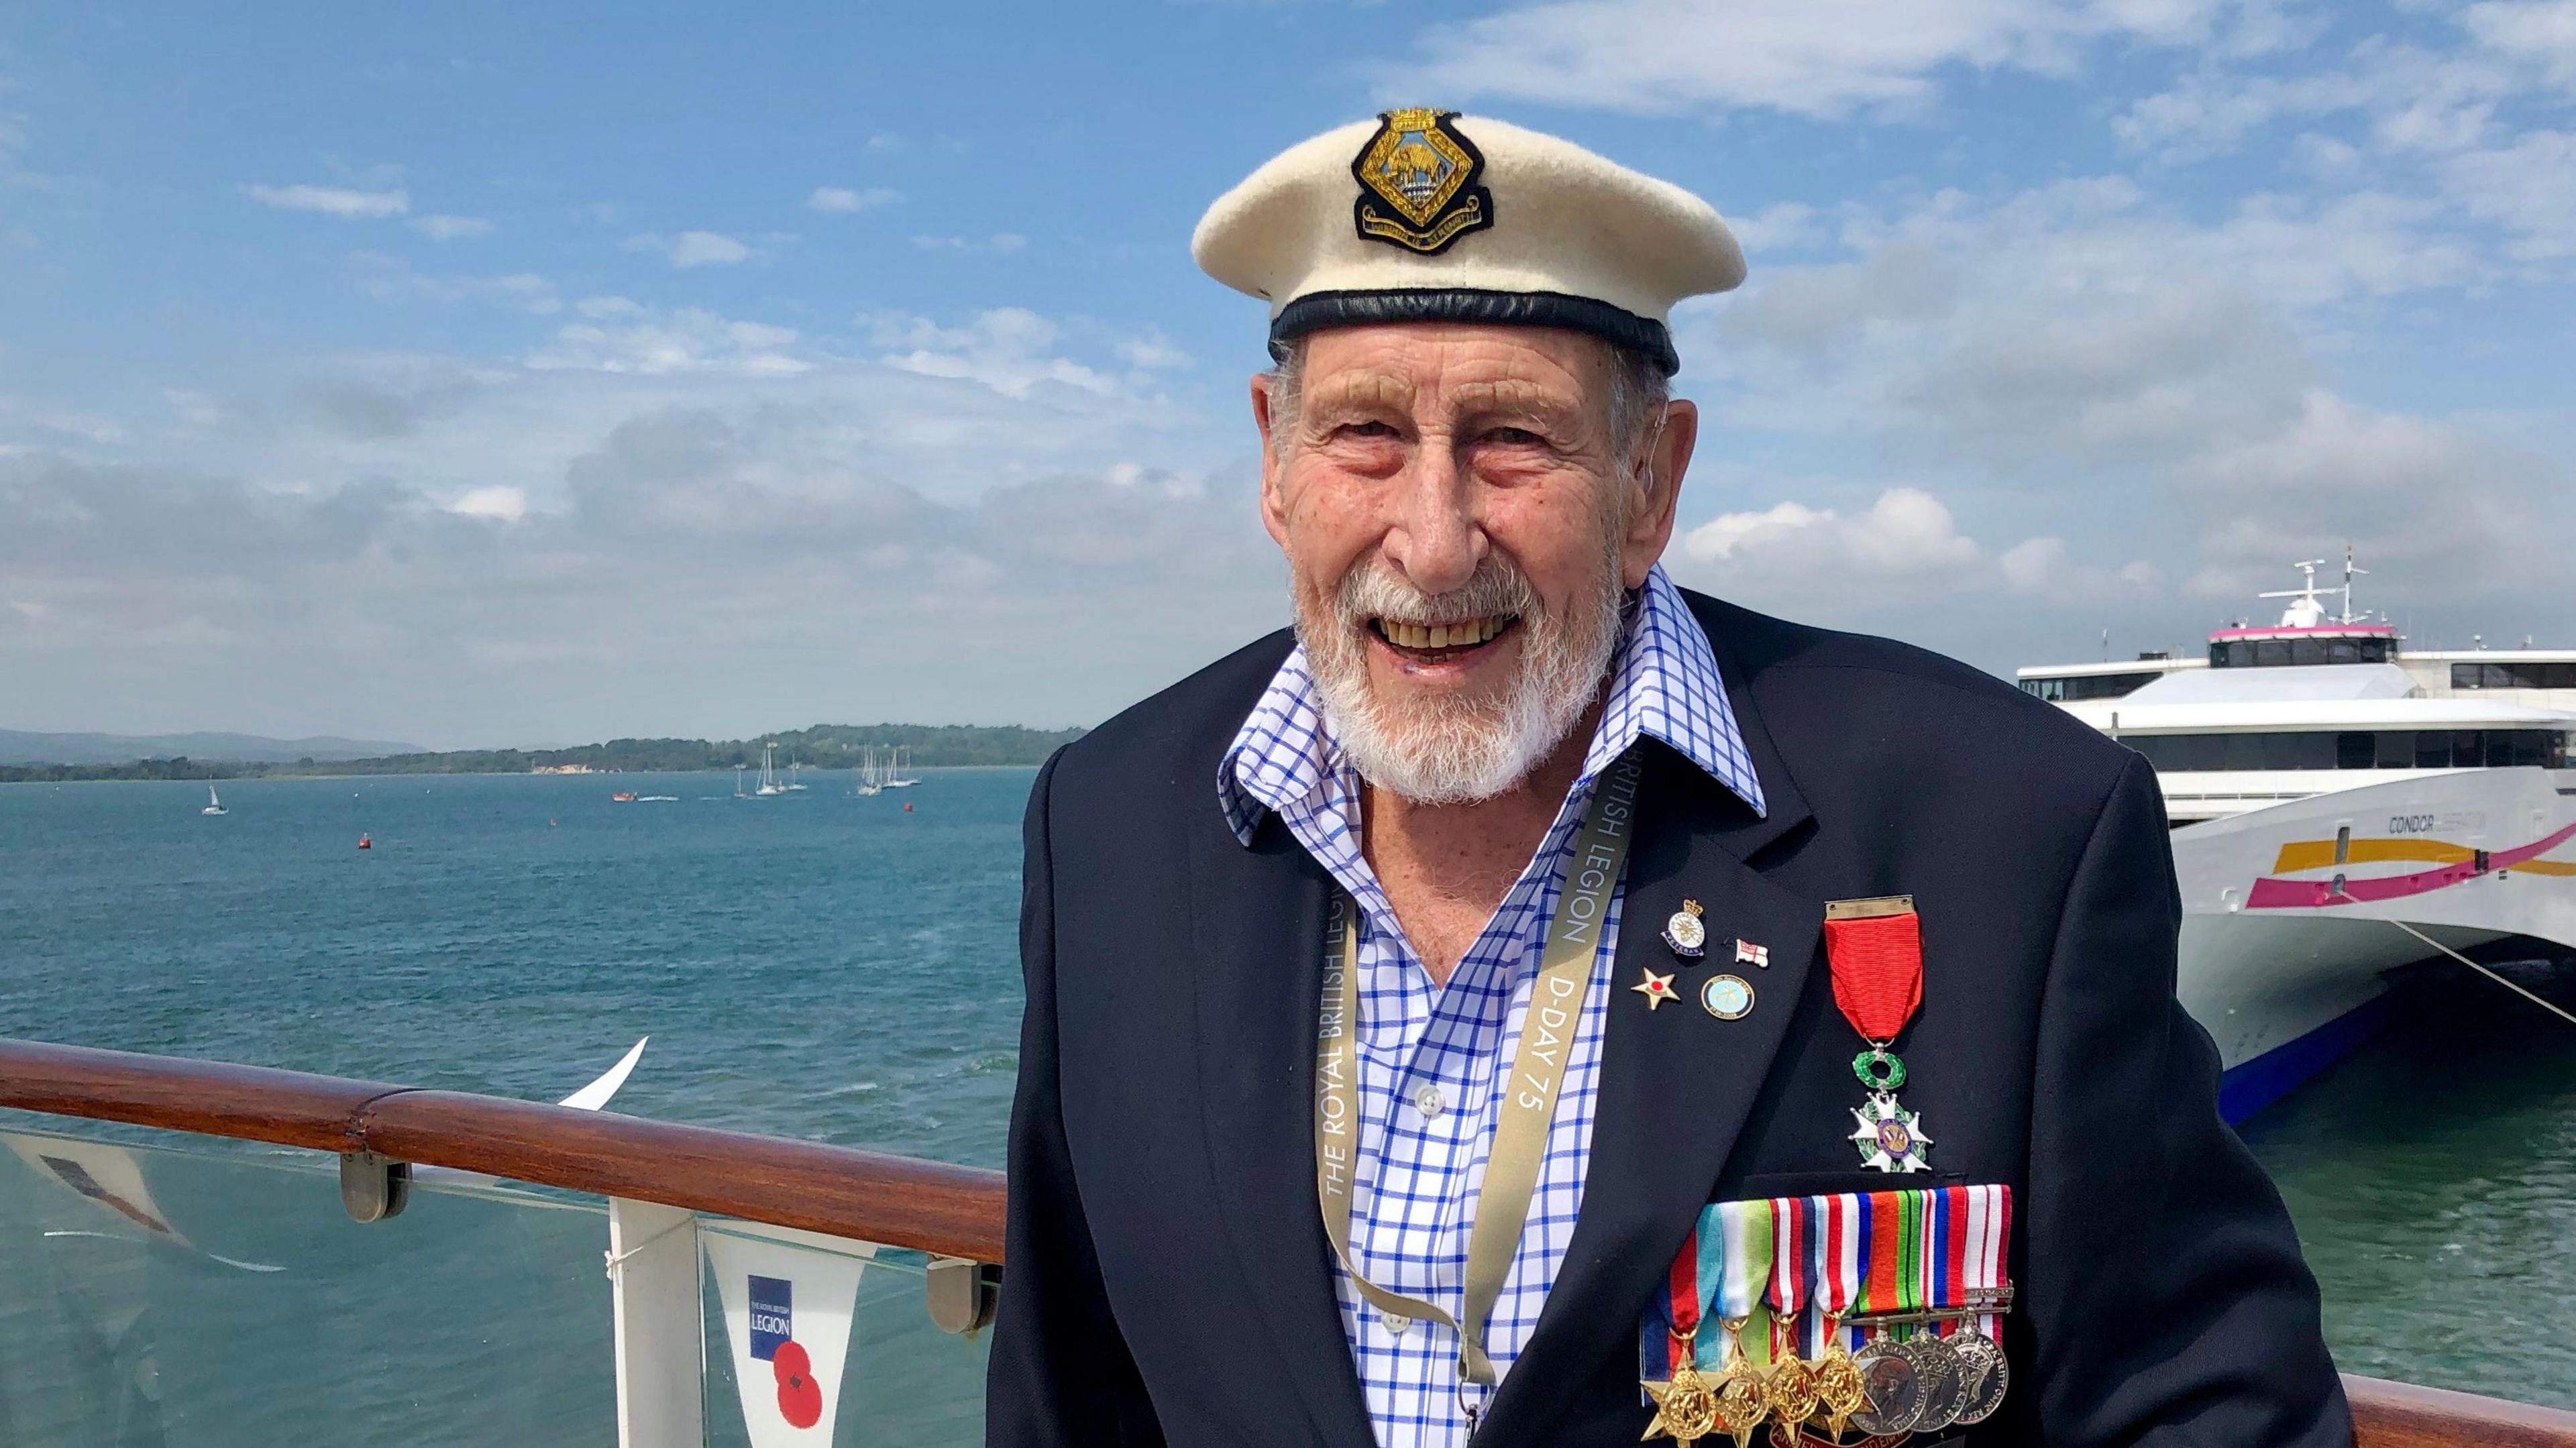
{"points": [[1534, 1004]]}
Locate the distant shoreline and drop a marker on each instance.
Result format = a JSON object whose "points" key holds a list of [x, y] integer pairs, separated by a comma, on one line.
{"points": [[823, 746]]}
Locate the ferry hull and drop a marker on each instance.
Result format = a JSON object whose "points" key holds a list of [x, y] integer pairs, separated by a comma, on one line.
{"points": [[2287, 968]]}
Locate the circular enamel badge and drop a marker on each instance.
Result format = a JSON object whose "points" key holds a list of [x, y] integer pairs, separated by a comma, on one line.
{"points": [[1728, 997]]}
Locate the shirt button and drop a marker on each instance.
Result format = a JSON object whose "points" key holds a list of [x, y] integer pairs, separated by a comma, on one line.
{"points": [[1430, 1102], [1396, 1326]]}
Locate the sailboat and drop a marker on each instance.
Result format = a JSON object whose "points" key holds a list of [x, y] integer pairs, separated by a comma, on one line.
{"points": [[871, 775], [214, 803], [791, 784], [737, 783], [769, 772], [895, 778]]}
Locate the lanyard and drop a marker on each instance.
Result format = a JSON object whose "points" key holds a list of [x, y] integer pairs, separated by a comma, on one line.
{"points": [[1529, 1103]]}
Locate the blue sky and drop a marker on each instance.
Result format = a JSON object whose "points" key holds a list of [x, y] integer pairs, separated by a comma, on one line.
{"points": [[478, 377]]}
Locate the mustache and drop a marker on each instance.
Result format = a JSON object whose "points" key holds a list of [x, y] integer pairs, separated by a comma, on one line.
{"points": [[1373, 589]]}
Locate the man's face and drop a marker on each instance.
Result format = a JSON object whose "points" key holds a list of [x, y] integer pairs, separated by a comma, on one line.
{"points": [[1461, 527]]}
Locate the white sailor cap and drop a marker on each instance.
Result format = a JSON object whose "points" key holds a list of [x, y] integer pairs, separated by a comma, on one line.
{"points": [[1427, 215]]}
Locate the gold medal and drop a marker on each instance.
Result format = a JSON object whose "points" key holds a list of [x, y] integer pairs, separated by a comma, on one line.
{"points": [[1838, 1383], [1743, 1396], [1792, 1390], [1686, 1408]]}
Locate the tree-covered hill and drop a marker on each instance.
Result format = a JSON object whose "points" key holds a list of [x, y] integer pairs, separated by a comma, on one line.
{"points": [[826, 746]]}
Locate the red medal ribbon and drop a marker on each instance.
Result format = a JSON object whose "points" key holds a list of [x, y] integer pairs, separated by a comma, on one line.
{"points": [[1878, 972]]}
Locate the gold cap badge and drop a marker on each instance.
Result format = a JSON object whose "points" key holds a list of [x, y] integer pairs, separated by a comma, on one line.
{"points": [[1418, 182]]}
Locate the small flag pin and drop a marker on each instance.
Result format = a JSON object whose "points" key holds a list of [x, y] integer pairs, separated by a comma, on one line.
{"points": [[1748, 953]]}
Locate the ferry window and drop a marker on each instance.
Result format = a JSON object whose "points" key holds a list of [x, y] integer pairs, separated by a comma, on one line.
{"points": [[2359, 749], [2276, 653], [2085, 686], [2553, 675]]}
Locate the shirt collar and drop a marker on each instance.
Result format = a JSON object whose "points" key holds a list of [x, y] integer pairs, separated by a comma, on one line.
{"points": [[1663, 682]]}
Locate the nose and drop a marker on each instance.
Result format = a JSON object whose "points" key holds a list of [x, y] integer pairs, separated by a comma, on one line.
{"points": [[1436, 539]]}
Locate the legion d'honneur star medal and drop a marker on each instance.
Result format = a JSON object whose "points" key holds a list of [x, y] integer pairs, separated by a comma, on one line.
{"points": [[1875, 948]]}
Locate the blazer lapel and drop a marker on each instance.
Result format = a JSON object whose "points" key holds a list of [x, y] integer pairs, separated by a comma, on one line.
{"points": [[1676, 1081], [1257, 970]]}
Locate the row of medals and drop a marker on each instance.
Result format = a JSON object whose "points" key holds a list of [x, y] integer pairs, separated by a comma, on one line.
{"points": [[1892, 1387]]}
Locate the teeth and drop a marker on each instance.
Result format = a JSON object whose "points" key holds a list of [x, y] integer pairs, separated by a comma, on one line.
{"points": [[1443, 635]]}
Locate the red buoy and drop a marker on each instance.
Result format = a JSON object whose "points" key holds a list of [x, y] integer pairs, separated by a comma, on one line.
{"points": [[907, 806], [365, 844]]}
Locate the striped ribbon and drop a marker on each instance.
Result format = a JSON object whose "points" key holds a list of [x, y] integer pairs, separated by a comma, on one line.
{"points": [[1787, 1293], [1745, 1276], [1811, 1259]]}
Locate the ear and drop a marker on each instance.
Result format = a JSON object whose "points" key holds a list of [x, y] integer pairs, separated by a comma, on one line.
{"points": [[1274, 507], [1650, 528]]}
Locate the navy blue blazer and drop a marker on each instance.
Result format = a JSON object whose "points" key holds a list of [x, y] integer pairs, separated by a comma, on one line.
{"points": [[1169, 1280]]}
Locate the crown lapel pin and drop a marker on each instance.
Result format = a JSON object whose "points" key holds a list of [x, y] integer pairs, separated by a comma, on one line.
{"points": [[1684, 932]]}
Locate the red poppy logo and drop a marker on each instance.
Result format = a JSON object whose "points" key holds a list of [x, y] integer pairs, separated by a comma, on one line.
{"points": [[800, 1398]]}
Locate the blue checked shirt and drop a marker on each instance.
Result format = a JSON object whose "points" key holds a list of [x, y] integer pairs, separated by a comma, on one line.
{"points": [[1431, 1058]]}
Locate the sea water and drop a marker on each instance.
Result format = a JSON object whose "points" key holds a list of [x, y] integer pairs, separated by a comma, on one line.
{"points": [[825, 965]]}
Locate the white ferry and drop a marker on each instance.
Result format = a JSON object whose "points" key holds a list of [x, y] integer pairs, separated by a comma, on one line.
{"points": [[2342, 806]]}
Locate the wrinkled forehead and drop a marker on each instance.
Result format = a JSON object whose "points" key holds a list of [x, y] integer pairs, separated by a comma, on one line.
{"points": [[1444, 368]]}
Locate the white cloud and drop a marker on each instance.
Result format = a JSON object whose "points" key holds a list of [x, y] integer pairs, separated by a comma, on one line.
{"points": [[1781, 227], [451, 228], [340, 201], [390, 278], [1000, 242], [687, 340], [573, 551], [1009, 349], [2528, 187], [841, 200], [1906, 531], [2544, 32], [1152, 352], [1817, 58], [508, 505], [693, 248]]}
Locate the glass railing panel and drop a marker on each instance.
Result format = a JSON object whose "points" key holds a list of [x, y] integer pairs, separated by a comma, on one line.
{"points": [[902, 1383], [152, 1295]]}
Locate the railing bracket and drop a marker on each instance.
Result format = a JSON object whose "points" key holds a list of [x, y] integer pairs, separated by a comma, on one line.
{"points": [[962, 1294], [373, 1187]]}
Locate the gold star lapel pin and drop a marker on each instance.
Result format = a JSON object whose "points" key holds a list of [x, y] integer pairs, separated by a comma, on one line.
{"points": [[1657, 989]]}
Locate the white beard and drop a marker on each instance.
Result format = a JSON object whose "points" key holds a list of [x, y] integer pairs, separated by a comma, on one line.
{"points": [[1444, 750]]}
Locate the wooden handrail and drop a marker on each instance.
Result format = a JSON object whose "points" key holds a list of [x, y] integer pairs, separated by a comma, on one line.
{"points": [[953, 1211], [2402, 1415]]}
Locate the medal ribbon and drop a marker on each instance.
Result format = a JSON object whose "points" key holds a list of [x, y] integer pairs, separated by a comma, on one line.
{"points": [[1786, 1294], [1877, 961], [1745, 1230], [1574, 942], [1988, 1233]]}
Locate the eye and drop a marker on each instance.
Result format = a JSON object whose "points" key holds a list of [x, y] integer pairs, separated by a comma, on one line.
{"points": [[1514, 437], [1371, 428]]}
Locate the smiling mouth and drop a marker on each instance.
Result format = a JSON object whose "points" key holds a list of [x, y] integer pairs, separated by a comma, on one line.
{"points": [[1439, 643]]}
